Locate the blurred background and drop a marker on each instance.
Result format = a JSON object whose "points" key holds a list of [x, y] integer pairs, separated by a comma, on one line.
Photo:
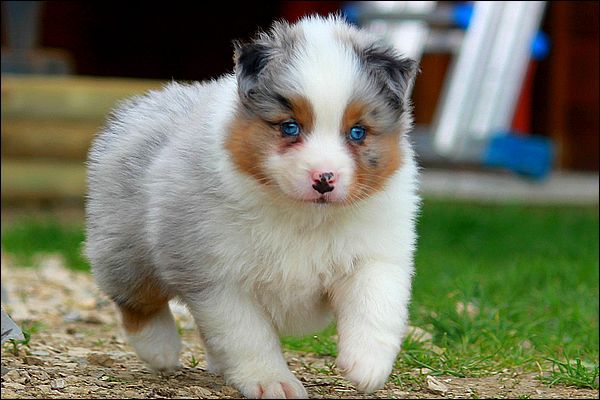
{"points": [[506, 132], [65, 64]]}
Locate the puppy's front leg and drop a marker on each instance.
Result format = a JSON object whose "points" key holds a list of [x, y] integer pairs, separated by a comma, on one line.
{"points": [[243, 344], [371, 309]]}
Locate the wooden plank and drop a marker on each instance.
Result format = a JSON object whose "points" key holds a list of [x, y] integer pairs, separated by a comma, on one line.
{"points": [[29, 180], [560, 70], [47, 138], [70, 98]]}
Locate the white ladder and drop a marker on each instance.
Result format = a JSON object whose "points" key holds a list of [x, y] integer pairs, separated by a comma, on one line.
{"points": [[488, 69], [483, 87]]}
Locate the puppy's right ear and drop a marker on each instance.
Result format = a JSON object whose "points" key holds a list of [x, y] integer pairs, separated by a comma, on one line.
{"points": [[250, 60]]}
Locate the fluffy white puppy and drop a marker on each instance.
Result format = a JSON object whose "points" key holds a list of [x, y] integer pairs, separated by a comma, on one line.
{"points": [[268, 201]]}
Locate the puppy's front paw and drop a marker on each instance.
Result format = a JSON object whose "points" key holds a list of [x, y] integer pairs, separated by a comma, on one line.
{"points": [[279, 388], [367, 367]]}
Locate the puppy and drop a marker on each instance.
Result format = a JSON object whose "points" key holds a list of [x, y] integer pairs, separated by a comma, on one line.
{"points": [[268, 201]]}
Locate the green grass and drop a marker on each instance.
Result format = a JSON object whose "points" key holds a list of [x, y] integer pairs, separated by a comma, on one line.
{"points": [[193, 362], [322, 343], [531, 273], [29, 238], [573, 373], [28, 328], [498, 286]]}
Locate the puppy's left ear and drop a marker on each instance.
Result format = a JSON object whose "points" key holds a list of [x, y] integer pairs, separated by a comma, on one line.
{"points": [[396, 73], [250, 59]]}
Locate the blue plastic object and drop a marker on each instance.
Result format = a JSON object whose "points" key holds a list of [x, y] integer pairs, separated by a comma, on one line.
{"points": [[351, 12], [530, 156], [461, 15], [540, 46]]}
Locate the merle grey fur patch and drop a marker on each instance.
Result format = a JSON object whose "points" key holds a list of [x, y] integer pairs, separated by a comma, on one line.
{"points": [[263, 65], [394, 72], [259, 65]]}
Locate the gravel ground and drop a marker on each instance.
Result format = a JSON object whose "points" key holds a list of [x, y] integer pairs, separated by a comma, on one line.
{"points": [[79, 352]]}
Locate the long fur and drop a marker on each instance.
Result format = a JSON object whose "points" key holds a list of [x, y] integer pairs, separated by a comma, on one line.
{"points": [[193, 194]]}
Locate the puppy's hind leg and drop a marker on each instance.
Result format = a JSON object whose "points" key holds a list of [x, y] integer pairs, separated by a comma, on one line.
{"points": [[152, 332]]}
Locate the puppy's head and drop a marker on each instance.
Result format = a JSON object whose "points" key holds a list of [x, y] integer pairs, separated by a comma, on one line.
{"points": [[322, 108]]}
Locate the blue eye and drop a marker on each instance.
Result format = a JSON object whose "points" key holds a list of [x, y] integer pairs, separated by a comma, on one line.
{"points": [[290, 128], [357, 133]]}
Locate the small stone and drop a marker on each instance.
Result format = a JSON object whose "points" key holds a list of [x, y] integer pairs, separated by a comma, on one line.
{"points": [[29, 360], [57, 384], [13, 385], [72, 316], [436, 349], [76, 390], [94, 318], [229, 391], [44, 388], [40, 375], [200, 392], [470, 309], [162, 392], [78, 352], [54, 350], [100, 359], [8, 394], [436, 386], [88, 304], [419, 335], [98, 374], [118, 354], [40, 353], [11, 376], [526, 344], [23, 377]]}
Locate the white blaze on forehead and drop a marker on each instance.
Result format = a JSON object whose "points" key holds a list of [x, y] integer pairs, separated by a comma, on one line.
{"points": [[327, 150], [326, 69]]}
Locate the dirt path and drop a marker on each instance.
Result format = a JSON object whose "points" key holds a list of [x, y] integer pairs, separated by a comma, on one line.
{"points": [[79, 353]]}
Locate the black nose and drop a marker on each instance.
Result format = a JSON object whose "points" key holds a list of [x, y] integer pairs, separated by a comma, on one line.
{"points": [[322, 185]]}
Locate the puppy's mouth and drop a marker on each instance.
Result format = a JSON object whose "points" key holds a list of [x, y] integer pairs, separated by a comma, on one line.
{"points": [[321, 200], [326, 200]]}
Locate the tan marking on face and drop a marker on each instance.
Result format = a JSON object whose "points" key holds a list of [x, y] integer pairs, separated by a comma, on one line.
{"points": [[149, 300], [354, 114], [252, 139], [377, 157], [302, 112], [372, 178], [248, 143]]}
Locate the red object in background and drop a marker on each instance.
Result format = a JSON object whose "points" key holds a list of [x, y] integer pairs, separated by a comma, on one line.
{"points": [[294, 10], [521, 123]]}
